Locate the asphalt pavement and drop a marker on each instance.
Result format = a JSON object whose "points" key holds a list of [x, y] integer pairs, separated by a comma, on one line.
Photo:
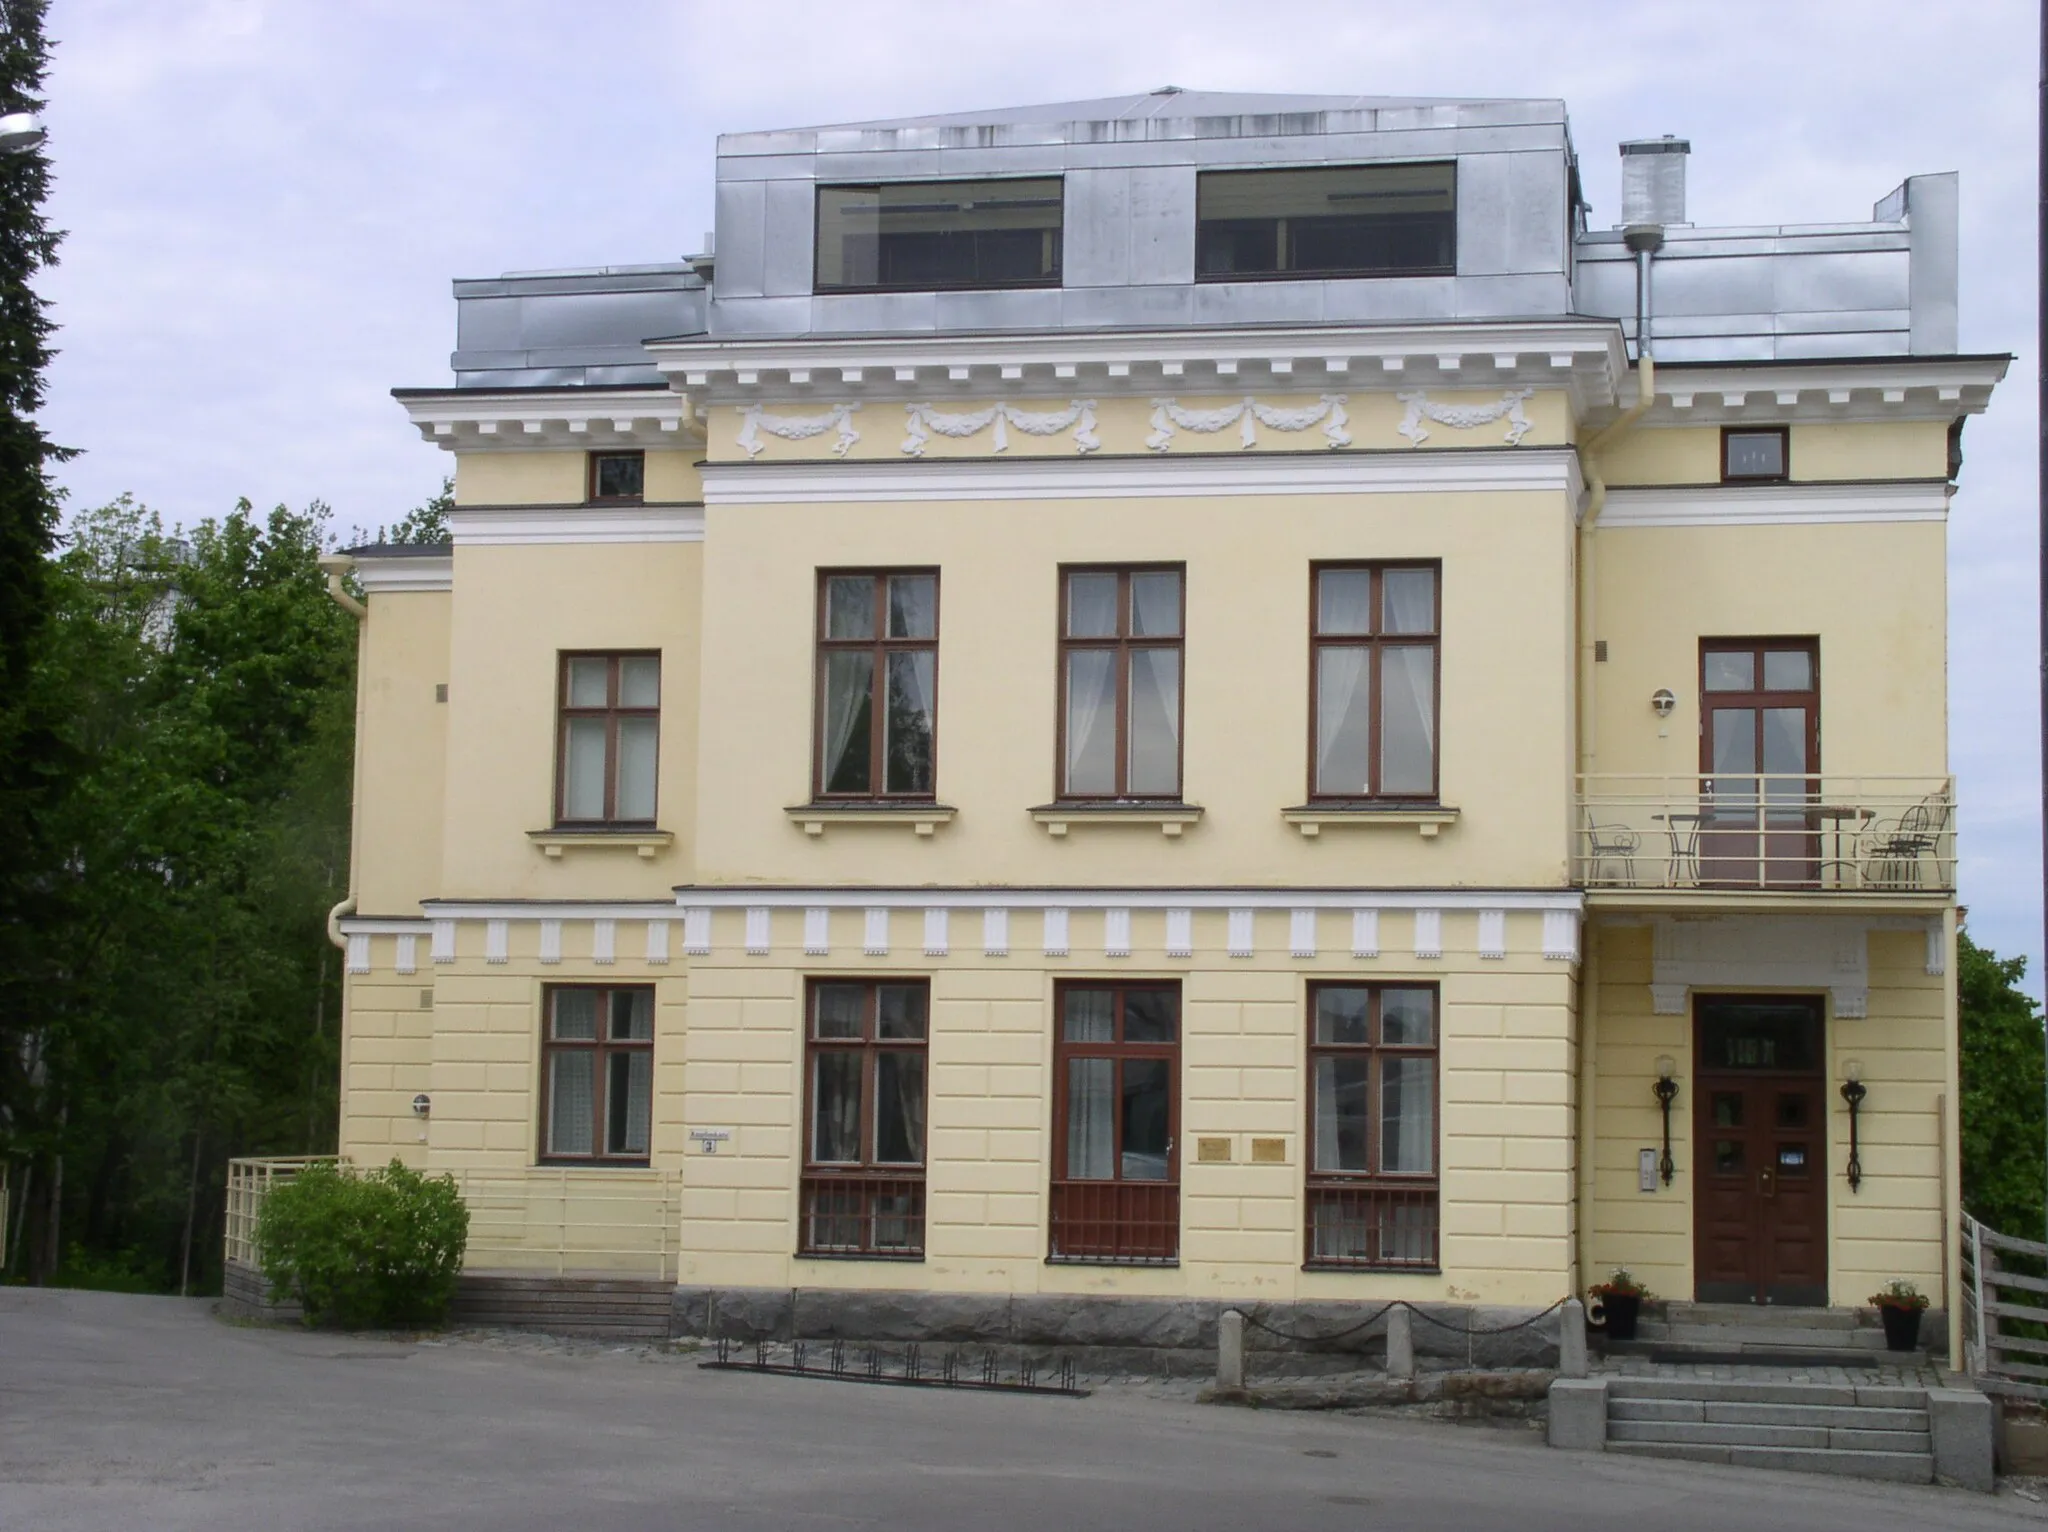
{"points": [[130, 1413]]}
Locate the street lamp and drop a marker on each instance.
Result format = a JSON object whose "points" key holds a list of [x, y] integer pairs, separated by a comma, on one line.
{"points": [[20, 132]]}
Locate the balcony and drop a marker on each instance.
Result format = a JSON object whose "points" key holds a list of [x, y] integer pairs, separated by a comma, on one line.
{"points": [[1733, 834]]}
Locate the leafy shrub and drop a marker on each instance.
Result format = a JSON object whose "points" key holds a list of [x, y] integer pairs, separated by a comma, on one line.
{"points": [[364, 1249]]}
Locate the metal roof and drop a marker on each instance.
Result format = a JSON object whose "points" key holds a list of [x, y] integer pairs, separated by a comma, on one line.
{"points": [[1171, 101]]}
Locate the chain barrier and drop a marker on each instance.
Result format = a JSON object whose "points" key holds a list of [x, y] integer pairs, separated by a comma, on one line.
{"points": [[1401, 1303]]}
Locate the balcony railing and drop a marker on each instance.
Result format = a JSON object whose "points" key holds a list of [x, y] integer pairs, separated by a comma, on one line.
{"points": [[1829, 833]]}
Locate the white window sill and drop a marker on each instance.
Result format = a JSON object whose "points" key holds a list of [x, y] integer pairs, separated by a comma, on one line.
{"points": [[1171, 818], [552, 843], [923, 818], [1427, 819]]}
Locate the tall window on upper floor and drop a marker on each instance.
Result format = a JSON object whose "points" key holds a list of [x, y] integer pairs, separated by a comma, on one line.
{"points": [[1373, 681], [610, 739], [925, 236], [878, 683], [1330, 221], [1120, 682]]}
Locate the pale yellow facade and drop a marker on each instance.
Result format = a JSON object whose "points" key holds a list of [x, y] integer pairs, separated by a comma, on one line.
{"points": [[1571, 895]]}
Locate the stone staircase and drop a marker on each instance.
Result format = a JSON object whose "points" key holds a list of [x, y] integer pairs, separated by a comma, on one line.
{"points": [[1871, 1431], [1739, 1334]]}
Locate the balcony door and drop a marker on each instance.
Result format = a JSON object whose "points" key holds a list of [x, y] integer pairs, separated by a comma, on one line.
{"points": [[1116, 1121], [1759, 746], [1760, 1220]]}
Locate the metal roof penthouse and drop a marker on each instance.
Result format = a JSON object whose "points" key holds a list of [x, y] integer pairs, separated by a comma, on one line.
{"points": [[1138, 224]]}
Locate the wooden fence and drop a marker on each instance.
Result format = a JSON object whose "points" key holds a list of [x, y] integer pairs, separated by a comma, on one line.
{"points": [[2005, 1313]]}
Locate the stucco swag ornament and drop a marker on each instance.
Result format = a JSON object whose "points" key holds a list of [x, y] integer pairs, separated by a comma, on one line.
{"points": [[927, 419], [1464, 417], [1247, 414], [795, 428]]}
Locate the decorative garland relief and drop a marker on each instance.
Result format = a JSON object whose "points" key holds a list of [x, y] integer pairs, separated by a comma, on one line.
{"points": [[926, 419], [1464, 417], [1247, 414], [795, 428]]}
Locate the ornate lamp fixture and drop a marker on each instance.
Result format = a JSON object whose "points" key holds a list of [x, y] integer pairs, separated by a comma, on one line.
{"points": [[1853, 1092], [1667, 1092]]}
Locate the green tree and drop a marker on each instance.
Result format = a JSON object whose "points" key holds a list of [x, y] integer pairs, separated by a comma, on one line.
{"points": [[426, 522], [2003, 1115]]}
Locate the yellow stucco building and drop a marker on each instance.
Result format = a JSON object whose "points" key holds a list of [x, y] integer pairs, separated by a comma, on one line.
{"points": [[1135, 705]]}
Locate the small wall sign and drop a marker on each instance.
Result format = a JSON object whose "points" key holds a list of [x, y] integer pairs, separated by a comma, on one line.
{"points": [[709, 1140], [1646, 1170]]}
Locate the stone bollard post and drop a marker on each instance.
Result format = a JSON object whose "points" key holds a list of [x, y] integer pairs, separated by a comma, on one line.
{"points": [[1230, 1352], [1571, 1340], [1400, 1342]]}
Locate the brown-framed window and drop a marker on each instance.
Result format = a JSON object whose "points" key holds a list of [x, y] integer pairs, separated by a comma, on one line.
{"points": [[878, 683], [1326, 221], [617, 476], [1755, 454], [864, 1117], [1120, 681], [1116, 1123], [597, 1073], [930, 236], [1373, 680], [1372, 1125], [610, 739]]}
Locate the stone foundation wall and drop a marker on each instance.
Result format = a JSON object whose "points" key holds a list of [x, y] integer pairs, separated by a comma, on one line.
{"points": [[1170, 1335], [244, 1294]]}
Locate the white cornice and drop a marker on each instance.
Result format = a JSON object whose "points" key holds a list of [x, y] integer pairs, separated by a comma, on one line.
{"points": [[521, 909], [386, 577], [1742, 505], [551, 420], [1553, 470], [357, 925], [840, 897], [489, 526], [1585, 356], [1876, 389]]}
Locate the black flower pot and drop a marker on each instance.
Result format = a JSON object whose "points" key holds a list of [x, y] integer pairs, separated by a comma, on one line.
{"points": [[1901, 1327], [1618, 1314]]}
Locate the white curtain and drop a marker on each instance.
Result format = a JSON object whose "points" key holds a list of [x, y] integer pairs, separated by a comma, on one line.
{"points": [[848, 680], [899, 1105], [1091, 1119], [907, 752], [1407, 719], [1408, 1116], [569, 1103], [1343, 721], [1155, 721], [583, 769], [632, 1077], [637, 746], [1327, 1156], [1091, 721]]}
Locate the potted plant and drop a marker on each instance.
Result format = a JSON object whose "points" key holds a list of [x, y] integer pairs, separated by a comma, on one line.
{"points": [[1621, 1302], [1900, 1305]]}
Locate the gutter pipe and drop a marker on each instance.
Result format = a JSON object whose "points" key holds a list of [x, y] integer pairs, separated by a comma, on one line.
{"points": [[334, 566]]}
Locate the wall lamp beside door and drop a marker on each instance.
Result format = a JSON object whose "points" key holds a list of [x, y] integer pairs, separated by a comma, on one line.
{"points": [[1853, 1092], [1667, 1092]]}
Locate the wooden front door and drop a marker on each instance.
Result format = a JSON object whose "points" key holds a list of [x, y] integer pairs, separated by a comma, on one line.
{"points": [[1760, 1222], [1759, 751], [1116, 1123]]}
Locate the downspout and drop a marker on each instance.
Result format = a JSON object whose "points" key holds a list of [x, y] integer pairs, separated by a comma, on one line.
{"points": [[334, 566]]}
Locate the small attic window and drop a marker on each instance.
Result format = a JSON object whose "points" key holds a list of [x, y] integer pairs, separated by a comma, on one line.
{"points": [[1750, 456], [1330, 221], [928, 236]]}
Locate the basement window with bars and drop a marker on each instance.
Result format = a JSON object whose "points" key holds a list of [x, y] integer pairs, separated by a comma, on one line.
{"points": [[597, 1074], [864, 1131], [1372, 1171]]}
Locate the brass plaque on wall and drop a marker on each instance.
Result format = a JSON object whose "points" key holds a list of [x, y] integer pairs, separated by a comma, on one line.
{"points": [[1269, 1151], [1212, 1151]]}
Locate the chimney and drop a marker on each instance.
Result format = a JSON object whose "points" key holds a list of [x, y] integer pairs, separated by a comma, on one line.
{"points": [[1653, 182]]}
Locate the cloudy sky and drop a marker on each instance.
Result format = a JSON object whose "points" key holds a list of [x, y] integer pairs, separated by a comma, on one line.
{"points": [[267, 199]]}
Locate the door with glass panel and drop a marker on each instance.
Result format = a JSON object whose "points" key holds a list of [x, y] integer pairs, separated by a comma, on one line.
{"points": [[1760, 1103], [1759, 759], [1116, 1123], [1120, 683]]}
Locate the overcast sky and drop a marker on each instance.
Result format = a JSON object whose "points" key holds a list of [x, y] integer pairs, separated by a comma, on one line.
{"points": [[266, 201]]}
